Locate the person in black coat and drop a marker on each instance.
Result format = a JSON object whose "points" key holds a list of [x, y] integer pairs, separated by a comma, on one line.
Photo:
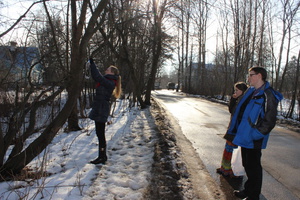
{"points": [[107, 85], [225, 169]]}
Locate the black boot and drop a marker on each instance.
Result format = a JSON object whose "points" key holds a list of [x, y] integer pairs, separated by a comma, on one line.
{"points": [[102, 158]]}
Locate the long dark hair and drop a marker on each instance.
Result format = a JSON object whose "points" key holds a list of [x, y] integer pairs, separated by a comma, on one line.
{"points": [[241, 86]]}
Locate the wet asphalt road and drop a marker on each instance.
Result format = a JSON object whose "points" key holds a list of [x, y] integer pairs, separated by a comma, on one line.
{"points": [[204, 124]]}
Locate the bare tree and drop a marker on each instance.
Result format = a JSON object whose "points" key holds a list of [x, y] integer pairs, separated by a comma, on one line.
{"points": [[224, 58], [128, 46], [80, 41], [157, 42], [295, 89], [200, 17], [182, 17], [289, 14]]}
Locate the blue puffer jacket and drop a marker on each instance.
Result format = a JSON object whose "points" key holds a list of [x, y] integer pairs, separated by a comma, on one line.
{"points": [[106, 85], [255, 117]]}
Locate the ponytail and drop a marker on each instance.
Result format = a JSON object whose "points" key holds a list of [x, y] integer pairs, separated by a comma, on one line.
{"points": [[118, 89]]}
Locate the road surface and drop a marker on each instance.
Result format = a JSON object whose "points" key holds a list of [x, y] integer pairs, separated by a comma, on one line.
{"points": [[204, 123]]}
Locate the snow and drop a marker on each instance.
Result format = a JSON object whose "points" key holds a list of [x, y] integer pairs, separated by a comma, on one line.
{"points": [[130, 142], [131, 139]]}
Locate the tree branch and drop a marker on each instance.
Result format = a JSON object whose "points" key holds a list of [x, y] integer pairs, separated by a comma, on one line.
{"points": [[20, 18]]}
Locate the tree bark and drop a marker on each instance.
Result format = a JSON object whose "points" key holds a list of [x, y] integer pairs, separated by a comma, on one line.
{"points": [[156, 50], [78, 52]]}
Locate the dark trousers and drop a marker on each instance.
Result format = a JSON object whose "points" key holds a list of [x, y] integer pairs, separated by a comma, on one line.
{"points": [[100, 132], [252, 164]]}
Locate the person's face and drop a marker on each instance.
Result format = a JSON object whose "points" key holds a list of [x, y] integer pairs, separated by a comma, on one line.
{"points": [[108, 71], [253, 78], [237, 92]]}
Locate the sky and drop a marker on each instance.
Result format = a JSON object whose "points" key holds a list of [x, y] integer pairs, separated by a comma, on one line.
{"points": [[11, 13]]}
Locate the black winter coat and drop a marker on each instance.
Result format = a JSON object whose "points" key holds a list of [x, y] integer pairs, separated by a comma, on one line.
{"points": [[105, 86]]}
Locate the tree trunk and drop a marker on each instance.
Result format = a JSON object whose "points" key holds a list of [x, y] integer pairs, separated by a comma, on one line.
{"points": [[155, 61], [156, 48], [73, 119], [1, 144], [296, 93], [74, 83], [18, 162]]}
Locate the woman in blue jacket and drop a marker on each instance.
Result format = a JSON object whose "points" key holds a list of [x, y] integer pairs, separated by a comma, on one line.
{"points": [[107, 85], [251, 124]]}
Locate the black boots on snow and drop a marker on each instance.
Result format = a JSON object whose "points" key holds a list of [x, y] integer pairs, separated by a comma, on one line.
{"points": [[102, 158], [99, 160]]}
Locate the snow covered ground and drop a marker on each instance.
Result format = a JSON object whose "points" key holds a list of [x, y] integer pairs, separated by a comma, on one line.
{"points": [[126, 175]]}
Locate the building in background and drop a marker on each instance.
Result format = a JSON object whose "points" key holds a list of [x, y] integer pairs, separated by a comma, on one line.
{"points": [[20, 65]]}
